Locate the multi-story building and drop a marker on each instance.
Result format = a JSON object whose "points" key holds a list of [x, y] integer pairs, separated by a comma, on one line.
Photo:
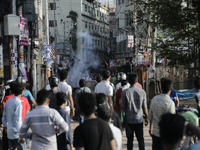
{"points": [[126, 28], [82, 26], [113, 28]]}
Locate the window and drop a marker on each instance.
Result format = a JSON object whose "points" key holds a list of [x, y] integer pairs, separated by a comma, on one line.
{"points": [[92, 26], [51, 6], [51, 23], [88, 8], [98, 42], [95, 42], [97, 13], [86, 24], [85, 7], [89, 25]]}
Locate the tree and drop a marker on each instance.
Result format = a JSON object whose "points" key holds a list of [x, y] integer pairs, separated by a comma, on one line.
{"points": [[177, 28]]}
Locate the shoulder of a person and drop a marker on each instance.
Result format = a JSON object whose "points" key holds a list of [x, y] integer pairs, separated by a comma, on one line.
{"points": [[24, 98]]}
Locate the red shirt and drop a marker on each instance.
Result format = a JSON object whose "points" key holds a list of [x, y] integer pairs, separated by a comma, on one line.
{"points": [[24, 102], [25, 107]]}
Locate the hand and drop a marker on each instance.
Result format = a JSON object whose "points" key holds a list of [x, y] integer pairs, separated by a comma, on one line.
{"points": [[22, 140], [150, 132], [72, 112], [72, 147], [56, 129], [146, 122]]}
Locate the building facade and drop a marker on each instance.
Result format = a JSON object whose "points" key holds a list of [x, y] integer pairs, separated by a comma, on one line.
{"points": [[82, 26]]}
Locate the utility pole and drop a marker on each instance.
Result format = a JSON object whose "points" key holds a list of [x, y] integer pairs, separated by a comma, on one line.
{"points": [[153, 51], [135, 35], [64, 36], [47, 23], [148, 35], [55, 38]]}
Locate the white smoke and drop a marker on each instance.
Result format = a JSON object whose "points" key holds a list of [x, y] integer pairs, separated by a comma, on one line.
{"points": [[84, 61]]}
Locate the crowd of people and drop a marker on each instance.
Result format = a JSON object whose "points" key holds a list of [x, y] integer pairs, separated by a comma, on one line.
{"points": [[117, 104]]}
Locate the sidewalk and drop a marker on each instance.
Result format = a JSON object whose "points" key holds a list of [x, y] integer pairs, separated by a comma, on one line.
{"points": [[147, 138]]}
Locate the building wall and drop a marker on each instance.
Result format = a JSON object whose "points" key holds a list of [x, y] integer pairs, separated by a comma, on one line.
{"points": [[92, 18]]}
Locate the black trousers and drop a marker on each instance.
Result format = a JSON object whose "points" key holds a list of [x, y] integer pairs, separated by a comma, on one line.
{"points": [[5, 145], [138, 129], [156, 143]]}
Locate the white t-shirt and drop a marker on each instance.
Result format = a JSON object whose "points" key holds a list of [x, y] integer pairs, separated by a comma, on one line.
{"points": [[64, 87], [119, 86], [48, 87], [117, 134], [104, 87]]}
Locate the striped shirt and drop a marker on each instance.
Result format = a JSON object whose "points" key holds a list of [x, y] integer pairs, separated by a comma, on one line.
{"points": [[42, 121]]}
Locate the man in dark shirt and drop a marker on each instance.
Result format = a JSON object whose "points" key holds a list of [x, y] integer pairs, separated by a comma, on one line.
{"points": [[64, 140], [54, 85], [93, 133]]}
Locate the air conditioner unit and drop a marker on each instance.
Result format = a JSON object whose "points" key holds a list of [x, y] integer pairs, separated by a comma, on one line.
{"points": [[11, 25]]}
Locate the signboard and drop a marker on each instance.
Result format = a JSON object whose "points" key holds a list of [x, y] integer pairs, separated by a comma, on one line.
{"points": [[23, 70], [24, 34], [118, 62], [130, 41], [113, 63], [1, 62], [146, 60], [14, 64]]}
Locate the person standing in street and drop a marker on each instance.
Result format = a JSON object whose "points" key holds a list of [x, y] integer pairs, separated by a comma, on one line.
{"points": [[106, 88], [106, 114], [160, 105], [54, 82], [64, 140], [43, 121], [93, 133], [134, 104], [64, 87], [82, 89], [12, 118]]}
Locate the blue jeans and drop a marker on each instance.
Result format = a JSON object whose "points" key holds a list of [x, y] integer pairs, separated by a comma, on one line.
{"points": [[15, 145]]}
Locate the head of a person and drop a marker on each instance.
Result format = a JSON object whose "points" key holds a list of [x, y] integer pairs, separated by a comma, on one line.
{"points": [[171, 128], [106, 74], [123, 82], [99, 79], [61, 98], [82, 83], [1, 81], [166, 85], [87, 103], [43, 97], [63, 75], [18, 89], [12, 86], [101, 99], [104, 113], [197, 82], [132, 78], [54, 82]]}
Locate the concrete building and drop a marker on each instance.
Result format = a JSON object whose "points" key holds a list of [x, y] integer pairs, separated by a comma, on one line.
{"points": [[113, 28], [126, 29], [88, 31]]}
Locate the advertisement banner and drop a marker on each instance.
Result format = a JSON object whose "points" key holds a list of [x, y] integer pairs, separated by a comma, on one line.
{"points": [[130, 41], [113, 63], [14, 64], [118, 62], [21, 54], [1, 62], [24, 34], [146, 60], [23, 70], [144, 76]]}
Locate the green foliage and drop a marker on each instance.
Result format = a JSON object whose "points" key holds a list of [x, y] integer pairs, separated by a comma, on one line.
{"points": [[177, 29], [73, 15]]}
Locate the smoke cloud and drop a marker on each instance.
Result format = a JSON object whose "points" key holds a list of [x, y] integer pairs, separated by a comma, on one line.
{"points": [[85, 61]]}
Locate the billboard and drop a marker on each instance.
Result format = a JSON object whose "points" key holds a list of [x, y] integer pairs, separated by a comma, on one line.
{"points": [[130, 41], [24, 34], [113, 63]]}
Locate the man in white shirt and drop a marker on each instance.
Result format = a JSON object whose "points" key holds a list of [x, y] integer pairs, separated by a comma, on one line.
{"points": [[64, 87], [160, 105], [106, 114], [105, 88]]}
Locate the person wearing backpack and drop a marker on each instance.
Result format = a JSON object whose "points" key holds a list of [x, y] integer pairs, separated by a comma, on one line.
{"points": [[124, 85], [82, 89]]}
